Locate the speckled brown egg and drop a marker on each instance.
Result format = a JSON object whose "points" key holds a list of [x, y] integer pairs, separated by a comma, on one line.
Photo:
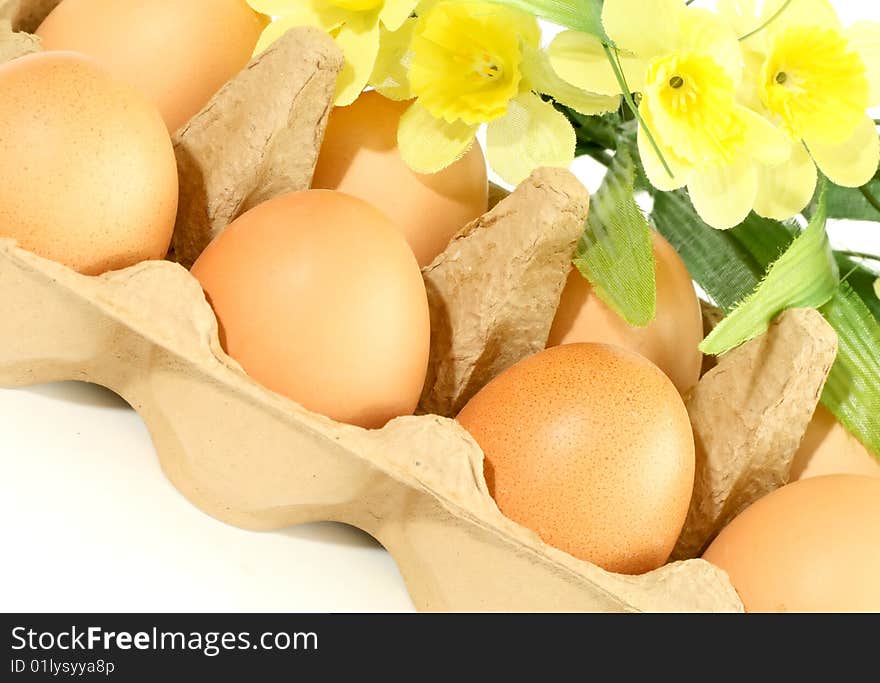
{"points": [[88, 172], [178, 53], [590, 446], [320, 299], [360, 156], [811, 546], [670, 341]]}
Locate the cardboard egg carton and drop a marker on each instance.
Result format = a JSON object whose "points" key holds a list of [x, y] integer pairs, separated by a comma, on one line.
{"points": [[256, 460]]}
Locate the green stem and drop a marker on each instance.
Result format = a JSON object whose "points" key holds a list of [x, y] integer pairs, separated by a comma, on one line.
{"points": [[852, 271], [628, 98], [768, 22], [872, 200], [858, 254]]}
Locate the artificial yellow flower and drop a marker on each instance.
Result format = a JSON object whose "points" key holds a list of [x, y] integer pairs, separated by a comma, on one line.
{"points": [[390, 75], [354, 24], [687, 65], [470, 63], [816, 81]]}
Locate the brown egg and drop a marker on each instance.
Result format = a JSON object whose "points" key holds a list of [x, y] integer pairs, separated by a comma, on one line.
{"points": [[177, 52], [828, 448], [670, 341], [88, 173], [589, 446], [811, 546], [360, 157], [319, 298]]}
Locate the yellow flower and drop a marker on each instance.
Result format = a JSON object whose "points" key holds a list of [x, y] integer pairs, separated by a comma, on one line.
{"points": [[466, 60], [816, 81], [687, 65], [354, 24], [470, 63]]}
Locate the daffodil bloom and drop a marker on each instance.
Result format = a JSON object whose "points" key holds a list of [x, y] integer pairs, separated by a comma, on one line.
{"points": [[816, 81], [687, 65], [469, 63], [354, 24]]}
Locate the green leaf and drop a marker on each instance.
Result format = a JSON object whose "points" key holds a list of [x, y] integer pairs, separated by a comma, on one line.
{"points": [[851, 202], [580, 15], [863, 280], [601, 131], [804, 276], [615, 253], [597, 136], [721, 266], [852, 392], [877, 288], [767, 239]]}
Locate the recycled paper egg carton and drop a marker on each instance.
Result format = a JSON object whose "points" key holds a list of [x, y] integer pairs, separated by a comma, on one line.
{"points": [[256, 460]]}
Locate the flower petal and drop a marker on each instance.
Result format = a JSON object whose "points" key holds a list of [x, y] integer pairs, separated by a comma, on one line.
{"points": [[359, 41], [865, 38], [784, 190], [700, 30], [391, 73], [740, 15], [395, 12], [798, 13], [643, 27], [578, 58], [766, 142], [724, 195], [532, 134], [425, 6], [749, 92], [853, 163], [428, 144], [541, 78], [657, 174]]}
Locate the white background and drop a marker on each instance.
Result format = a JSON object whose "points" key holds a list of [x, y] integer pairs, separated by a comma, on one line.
{"points": [[89, 523]]}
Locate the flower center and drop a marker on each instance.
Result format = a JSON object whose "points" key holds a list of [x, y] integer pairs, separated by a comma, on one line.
{"points": [[357, 5], [815, 84], [487, 67], [691, 101]]}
